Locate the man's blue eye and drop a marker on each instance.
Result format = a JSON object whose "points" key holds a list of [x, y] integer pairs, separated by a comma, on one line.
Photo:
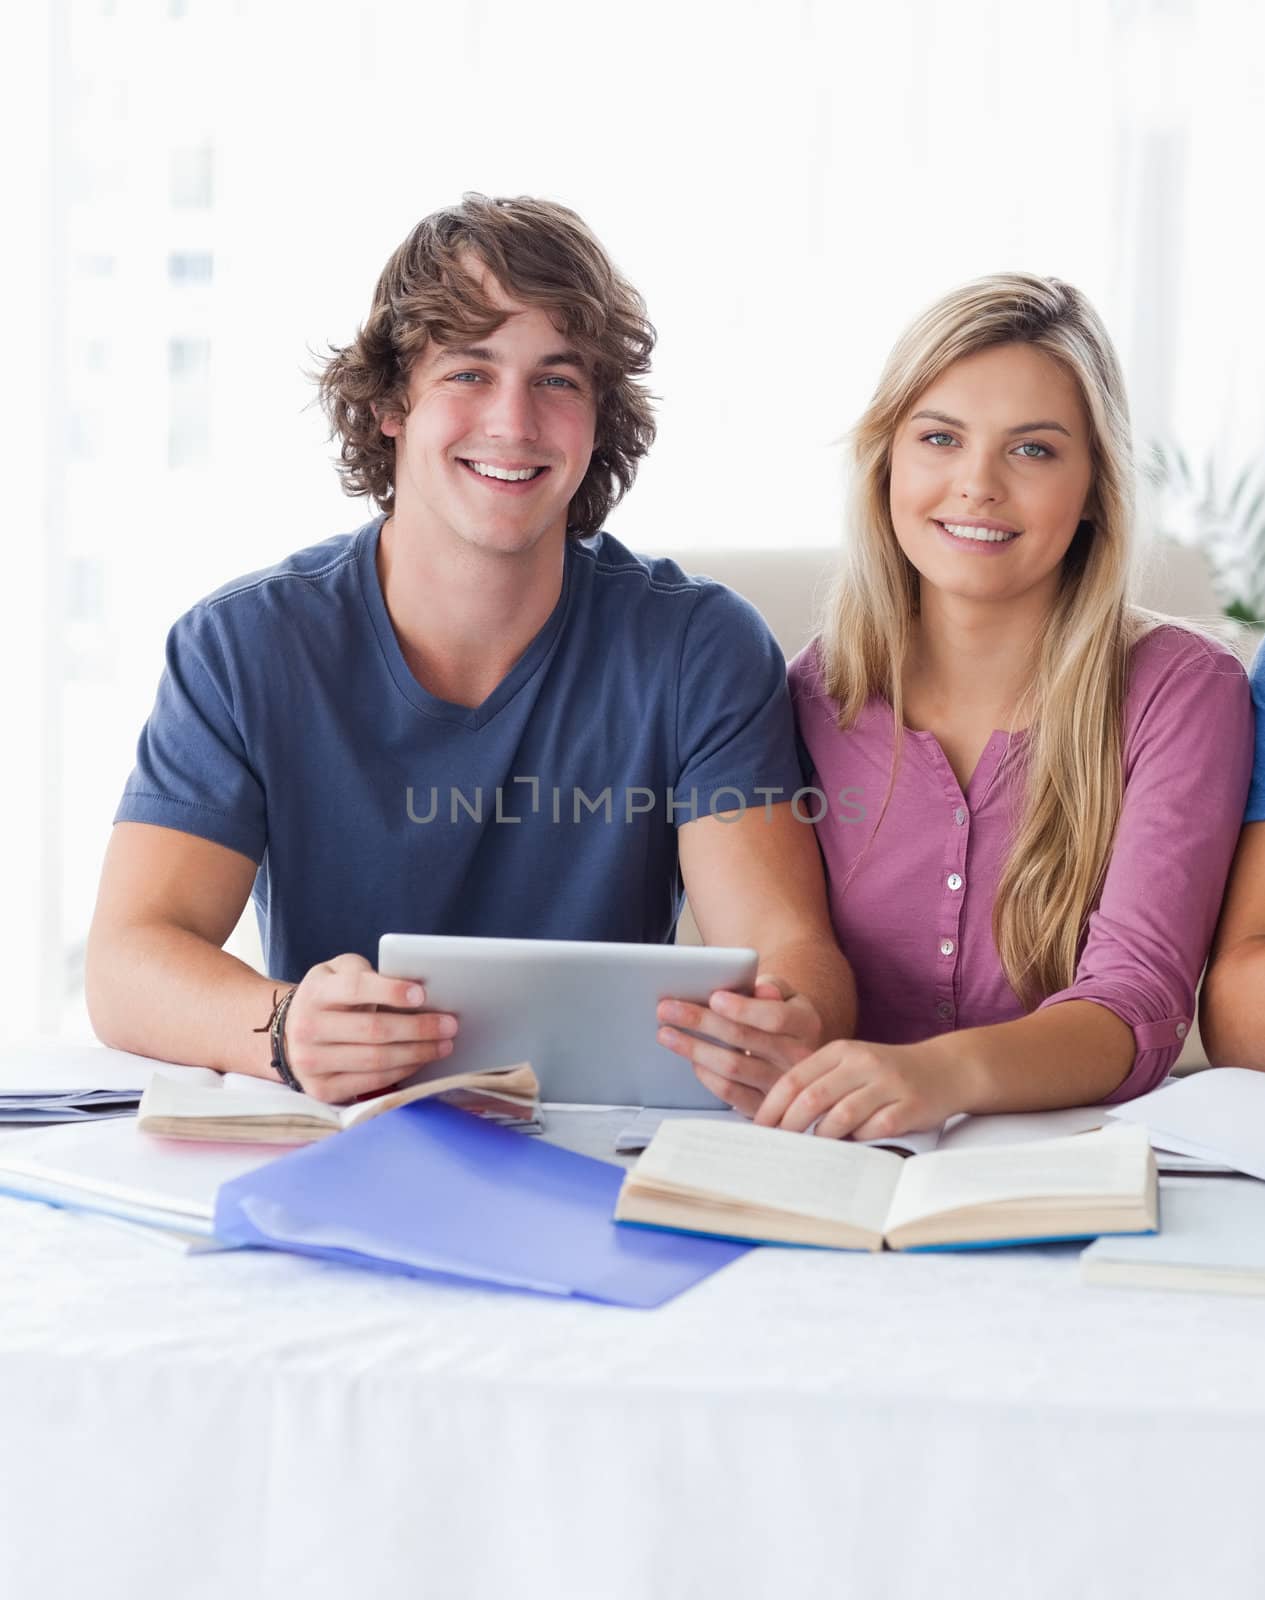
{"points": [[564, 383], [461, 377]]}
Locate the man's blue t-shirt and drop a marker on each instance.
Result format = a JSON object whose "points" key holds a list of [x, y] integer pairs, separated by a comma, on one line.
{"points": [[288, 727], [1256, 794]]}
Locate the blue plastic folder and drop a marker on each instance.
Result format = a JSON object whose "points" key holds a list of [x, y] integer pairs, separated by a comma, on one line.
{"points": [[427, 1189]]}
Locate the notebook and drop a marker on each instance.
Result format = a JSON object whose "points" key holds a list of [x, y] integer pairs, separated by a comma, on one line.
{"points": [[1212, 1237], [113, 1168]]}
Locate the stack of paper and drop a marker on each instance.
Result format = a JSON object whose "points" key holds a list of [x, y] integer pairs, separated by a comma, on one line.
{"points": [[70, 1083], [1214, 1119], [113, 1168], [74, 1105]]}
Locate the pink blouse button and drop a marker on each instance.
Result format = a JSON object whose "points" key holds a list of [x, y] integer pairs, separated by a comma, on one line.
{"points": [[947, 947]]}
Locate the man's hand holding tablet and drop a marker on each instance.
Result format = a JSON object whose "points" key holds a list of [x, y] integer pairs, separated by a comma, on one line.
{"points": [[351, 1032]]}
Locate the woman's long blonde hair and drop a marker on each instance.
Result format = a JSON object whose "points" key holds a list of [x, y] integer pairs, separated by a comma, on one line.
{"points": [[1074, 704]]}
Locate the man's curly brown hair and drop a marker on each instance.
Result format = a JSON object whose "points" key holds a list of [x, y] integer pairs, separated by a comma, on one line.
{"points": [[541, 254]]}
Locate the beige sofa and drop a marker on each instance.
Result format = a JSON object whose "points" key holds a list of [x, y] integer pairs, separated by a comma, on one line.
{"points": [[789, 587]]}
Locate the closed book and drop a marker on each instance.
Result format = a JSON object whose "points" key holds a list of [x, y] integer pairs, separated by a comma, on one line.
{"points": [[1212, 1238]]}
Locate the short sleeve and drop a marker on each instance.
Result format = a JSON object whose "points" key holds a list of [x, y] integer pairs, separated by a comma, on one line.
{"points": [[803, 678], [1187, 763], [192, 772], [735, 732], [1256, 795]]}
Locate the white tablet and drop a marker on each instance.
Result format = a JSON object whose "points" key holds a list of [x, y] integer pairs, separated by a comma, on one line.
{"points": [[581, 1012]]}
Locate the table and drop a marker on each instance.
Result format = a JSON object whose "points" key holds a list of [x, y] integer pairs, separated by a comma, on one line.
{"points": [[803, 1423]]}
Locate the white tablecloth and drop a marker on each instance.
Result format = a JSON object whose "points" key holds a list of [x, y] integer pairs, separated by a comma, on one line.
{"points": [[803, 1423]]}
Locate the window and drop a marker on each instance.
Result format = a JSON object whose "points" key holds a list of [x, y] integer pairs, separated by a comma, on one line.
{"points": [[190, 267]]}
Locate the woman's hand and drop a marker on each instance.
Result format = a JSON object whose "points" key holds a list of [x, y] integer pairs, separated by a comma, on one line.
{"points": [[759, 1038], [866, 1091]]}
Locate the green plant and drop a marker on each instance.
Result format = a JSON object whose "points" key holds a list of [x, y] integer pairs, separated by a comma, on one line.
{"points": [[1225, 515]]}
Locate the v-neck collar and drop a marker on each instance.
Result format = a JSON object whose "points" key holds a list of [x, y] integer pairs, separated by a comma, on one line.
{"points": [[523, 670], [991, 757]]}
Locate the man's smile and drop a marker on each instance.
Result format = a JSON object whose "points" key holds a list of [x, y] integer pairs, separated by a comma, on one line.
{"points": [[499, 472]]}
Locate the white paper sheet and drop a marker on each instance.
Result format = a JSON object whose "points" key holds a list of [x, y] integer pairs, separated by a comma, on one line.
{"points": [[1217, 1115]]}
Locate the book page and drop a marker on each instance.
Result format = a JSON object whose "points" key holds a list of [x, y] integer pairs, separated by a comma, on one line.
{"points": [[216, 1097], [771, 1169], [1217, 1113], [1109, 1163], [234, 1106], [505, 1088], [916, 1143], [1020, 1127], [638, 1134]]}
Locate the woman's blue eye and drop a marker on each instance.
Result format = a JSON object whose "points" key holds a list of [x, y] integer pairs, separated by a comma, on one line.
{"points": [[930, 438], [1030, 444]]}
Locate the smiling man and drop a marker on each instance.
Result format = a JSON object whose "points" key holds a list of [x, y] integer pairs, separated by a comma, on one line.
{"points": [[478, 714]]}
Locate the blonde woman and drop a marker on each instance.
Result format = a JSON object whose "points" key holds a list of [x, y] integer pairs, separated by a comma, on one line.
{"points": [[1028, 790]]}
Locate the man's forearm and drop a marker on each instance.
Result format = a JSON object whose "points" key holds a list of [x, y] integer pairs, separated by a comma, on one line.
{"points": [[1232, 1006], [819, 971], [165, 992]]}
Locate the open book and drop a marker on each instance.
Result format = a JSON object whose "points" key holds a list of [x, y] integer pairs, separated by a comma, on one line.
{"points": [[1026, 1127], [231, 1108], [745, 1182], [959, 1133]]}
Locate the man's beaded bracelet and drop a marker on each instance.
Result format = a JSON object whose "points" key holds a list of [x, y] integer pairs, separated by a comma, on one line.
{"points": [[276, 1030]]}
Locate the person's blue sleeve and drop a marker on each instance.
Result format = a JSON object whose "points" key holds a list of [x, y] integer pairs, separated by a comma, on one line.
{"points": [[735, 730], [1256, 794], [192, 772]]}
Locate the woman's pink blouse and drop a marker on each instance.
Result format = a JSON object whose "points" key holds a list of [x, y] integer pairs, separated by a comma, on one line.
{"points": [[912, 903]]}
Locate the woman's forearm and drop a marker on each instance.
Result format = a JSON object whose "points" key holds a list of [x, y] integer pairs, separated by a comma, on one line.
{"points": [[1067, 1055]]}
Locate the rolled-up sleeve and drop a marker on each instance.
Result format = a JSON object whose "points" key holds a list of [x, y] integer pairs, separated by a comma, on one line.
{"points": [[1188, 760]]}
